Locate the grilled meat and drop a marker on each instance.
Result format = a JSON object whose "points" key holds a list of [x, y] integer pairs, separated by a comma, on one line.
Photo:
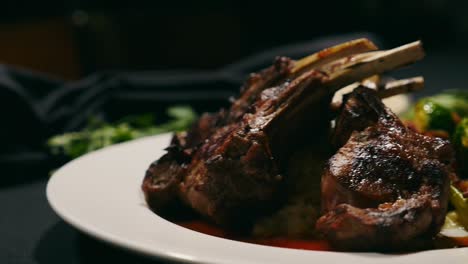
{"points": [[164, 176], [230, 166], [387, 185]]}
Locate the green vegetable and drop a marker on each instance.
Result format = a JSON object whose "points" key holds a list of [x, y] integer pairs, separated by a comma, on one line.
{"points": [[454, 100], [460, 137], [460, 142], [99, 134], [461, 205], [429, 115], [439, 112]]}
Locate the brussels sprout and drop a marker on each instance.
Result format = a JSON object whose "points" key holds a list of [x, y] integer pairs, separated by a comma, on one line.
{"points": [[460, 141], [460, 137], [429, 115], [454, 100], [440, 112]]}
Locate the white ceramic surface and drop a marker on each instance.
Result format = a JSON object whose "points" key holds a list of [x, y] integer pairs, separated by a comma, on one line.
{"points": [[99, 194]]}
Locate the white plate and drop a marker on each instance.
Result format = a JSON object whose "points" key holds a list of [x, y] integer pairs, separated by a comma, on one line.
{"points": [[99, 194]]}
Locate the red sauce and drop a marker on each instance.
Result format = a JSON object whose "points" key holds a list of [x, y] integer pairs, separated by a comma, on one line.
{"points": [[206, 228]]}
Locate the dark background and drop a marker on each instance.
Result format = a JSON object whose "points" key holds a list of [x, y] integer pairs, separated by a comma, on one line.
{"points": [[169, 51], [72, 39]]}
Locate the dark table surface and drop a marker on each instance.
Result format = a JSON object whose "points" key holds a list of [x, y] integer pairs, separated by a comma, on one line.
{"points": [[30, 232]]}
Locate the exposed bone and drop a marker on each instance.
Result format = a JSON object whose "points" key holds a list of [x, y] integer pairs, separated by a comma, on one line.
{"points": [[402, 86], [389, 89], [274, 74], [347, 71], [373, 82], [328, 55], [361, 67], [347, 61]]}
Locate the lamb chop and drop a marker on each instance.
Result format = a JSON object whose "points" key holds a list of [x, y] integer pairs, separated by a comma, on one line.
{"points": [[387, 186], [165, 174], [235, 174]]}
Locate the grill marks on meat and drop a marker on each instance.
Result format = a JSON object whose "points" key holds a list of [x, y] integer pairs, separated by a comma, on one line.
{"points": [[229, 166], [212, 127], [235, 176], [387, 185], [388, 228], [162, 179]]}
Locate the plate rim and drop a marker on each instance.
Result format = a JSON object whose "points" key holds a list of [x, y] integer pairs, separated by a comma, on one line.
{"points": [[111, 239]]}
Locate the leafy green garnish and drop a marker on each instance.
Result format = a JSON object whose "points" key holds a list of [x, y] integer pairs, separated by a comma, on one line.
{"points": [[98, 133]]}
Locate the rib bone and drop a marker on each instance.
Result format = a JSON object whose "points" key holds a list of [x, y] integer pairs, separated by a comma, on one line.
{"points": [[389, 89], [345, 72], [328, 55], [378, 63], [402, 86], [285, 68]]}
